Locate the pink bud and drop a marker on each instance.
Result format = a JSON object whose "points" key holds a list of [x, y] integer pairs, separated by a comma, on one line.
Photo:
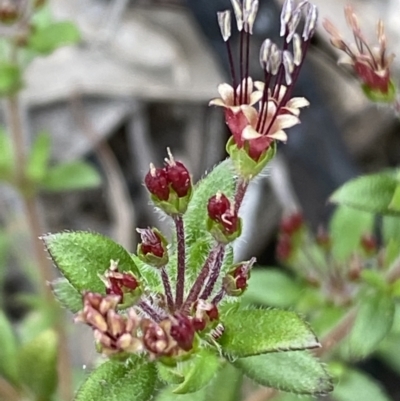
{"points": [[156, 182], [217, 206], [182, 331]]}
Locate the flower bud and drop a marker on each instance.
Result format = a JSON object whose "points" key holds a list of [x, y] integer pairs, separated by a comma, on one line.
{"points": [[235, 281], [153, 248], [223, 221], [178, 176], [182, 331], [284, 248], [369, 244], [156, 181], [156, 339], [204, 314], [292, 224]]}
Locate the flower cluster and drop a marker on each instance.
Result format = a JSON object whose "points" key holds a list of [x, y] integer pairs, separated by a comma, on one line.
{"points": [[370, 63], [258, 113]]}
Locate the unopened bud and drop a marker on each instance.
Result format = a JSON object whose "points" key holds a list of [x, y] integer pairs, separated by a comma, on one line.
{"points": [[153, 248], [235, 281], [224, 22], [292, 224], [182, 331], [284, 248], [156, 182], [178, 176]]}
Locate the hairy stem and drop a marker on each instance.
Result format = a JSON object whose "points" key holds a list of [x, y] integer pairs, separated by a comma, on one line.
{"points": [[167, 289], [180, 279], [146, 307], [33, 220], [214, 272], [241, 188]]}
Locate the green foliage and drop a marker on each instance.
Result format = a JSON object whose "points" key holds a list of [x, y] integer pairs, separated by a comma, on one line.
{"points": [[37, 365], [252, 332], [10, 78], [67, 295], [354, 385], [347, 226], [372, 193], [45, 39], [198, 372], [293, 371], [377, 96], [8, 349], [6, 156], [82, 256], [272, 287], [115, 381], [373, 322], [71, 176], [36, 168]]}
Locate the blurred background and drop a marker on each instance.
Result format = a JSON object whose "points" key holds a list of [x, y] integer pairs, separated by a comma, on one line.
{"points": [[140, 80]]}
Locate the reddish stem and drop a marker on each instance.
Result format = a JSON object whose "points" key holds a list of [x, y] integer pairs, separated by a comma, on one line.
{"points": [[215, 271], [149, 310], [180, 279], [167, 289], [241, 188]]}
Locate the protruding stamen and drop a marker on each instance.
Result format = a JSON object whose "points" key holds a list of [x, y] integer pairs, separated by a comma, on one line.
{"points": [[250, 8], [275, 60], [311, 22], [237, 9], [351, 18], [224, 22], [297, 50], [286, 15], [288, 63], [292, 25], [380, 31], [265, 52]]}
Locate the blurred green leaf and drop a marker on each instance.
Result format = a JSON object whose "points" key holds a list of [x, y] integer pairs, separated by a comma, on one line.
{"points": [[200, 371], [6, 156], [391, 228], [45, 39], [347, 226], [8, 350], [395, 202], [134, 380], [67, 295], [371, 193], [82, 256], [71, 176], [374, 320], [293, 371], [39, 156], [389, 351], [354, 385], [167, 395], [37, 365], [226, 384], [272, 287], [10, 78], [252, 332], [326, 317], [169, 374]]}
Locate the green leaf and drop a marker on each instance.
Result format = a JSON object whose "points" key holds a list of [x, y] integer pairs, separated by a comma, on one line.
{"points": [[6, 157], [221, 178], [48, 38], [37, 365], [371, 193], [8, 349], [272, 287], [169, 374], [133, 380], [252, 332], [168, 395], [374, 320], [39, 157], [199, 372], [67, 295], [389, 352], [226, 385], [346, 229], [391, 228], [10, 78], [82, 256], [294, 371], [71, 176], [354, 385]]}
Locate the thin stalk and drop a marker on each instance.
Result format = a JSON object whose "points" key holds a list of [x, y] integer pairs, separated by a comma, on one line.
{"points": [[241, 188], [214, 272], [35, 230], [167, 289], [180, 279], [149, 310], [217, 299]]}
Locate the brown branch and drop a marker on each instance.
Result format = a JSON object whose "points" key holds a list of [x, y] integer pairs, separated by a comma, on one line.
{"points": [[7, 391]]}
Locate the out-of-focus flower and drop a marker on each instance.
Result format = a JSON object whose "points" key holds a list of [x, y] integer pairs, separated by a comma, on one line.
{"points": [[371, 63], [258, 113]]}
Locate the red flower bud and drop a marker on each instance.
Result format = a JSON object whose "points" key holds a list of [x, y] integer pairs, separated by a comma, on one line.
{"points": [[156, 181], [284, 248], [153, 248], [235, 281], [292, 223], [182, 331], [179, 177], [369, 243], [217, 206]]}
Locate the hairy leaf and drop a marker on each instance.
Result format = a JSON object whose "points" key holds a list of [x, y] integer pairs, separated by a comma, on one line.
{"points": [[198, 372], [293, 371], [347, 227], [226, 384], [374, 320], [372, 193], [82, 256], [168, 395], [37, 365], [252, 332], [272, 287], [116, 381], [67, 295], [71, 176]]}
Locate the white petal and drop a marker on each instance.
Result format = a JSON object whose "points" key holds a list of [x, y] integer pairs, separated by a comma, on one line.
{"points": [[259, 85], [293, 110], [287, 121], [250, 113], [226, 92], [297, 103], [279, 135], [250, 133], [217, 102], [255, 97], [345, 59]]}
